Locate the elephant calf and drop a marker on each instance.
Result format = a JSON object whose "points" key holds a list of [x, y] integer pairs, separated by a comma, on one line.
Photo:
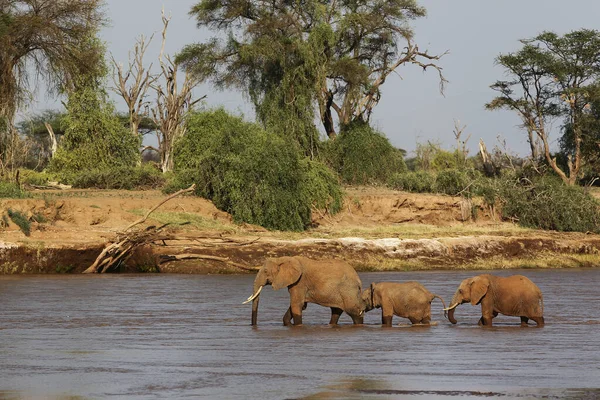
{"points": [[514, 295], [408, 300]]}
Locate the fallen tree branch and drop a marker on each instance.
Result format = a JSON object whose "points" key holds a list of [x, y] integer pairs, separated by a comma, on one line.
{"points": [[122, 248]]}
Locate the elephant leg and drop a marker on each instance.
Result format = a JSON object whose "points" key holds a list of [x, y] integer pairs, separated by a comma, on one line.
{"points": [[414, 320], [524, 321], [357, 320], [538, 320], [335, 315], [386, 320], [485, 320], [297, 304], [426, 320], [287, 318]]}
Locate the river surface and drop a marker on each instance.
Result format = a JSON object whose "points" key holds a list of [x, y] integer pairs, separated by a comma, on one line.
{"points": [[182, 336]]}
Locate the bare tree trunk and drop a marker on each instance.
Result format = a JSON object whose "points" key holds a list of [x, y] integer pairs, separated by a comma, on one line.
{"points": [[173, 103], [53, 141], [532, 144]]}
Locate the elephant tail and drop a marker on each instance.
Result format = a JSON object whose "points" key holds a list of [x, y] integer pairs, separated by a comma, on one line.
{"points": [[435, 296], [542, 303]]}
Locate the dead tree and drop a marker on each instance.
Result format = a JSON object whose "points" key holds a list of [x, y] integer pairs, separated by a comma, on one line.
{"points": [[173, 102], [134, 92], [121, 249], [53, 141], [461, 145]]}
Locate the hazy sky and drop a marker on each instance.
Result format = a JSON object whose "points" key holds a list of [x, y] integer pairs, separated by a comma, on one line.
{"points": [[411, 109]]}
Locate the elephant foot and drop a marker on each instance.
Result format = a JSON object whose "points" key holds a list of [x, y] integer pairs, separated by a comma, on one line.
{"points": [[386, 321], [539, 321]]}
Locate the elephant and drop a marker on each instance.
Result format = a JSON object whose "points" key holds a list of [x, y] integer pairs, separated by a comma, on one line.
{"points": [[515, 296], [330, 283], [408, 300]]}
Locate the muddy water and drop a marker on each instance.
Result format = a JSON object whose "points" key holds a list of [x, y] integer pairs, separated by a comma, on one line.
{"points": [[174, 336]]}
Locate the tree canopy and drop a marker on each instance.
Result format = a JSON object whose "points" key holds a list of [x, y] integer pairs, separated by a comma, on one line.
{"points": [[553, 77], [297, 54]]}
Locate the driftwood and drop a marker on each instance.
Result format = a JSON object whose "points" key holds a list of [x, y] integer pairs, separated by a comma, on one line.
{"points": [[119, 251]]}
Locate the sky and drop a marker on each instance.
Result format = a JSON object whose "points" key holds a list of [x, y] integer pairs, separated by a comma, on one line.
{"points": [[411, 110]]}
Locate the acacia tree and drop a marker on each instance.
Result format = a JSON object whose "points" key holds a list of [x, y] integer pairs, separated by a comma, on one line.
{"points": [[337, 54], [553, 77], [41, 38]]}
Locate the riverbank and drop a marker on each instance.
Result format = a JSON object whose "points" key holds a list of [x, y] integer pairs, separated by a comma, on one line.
{"points": [[378, 230]]}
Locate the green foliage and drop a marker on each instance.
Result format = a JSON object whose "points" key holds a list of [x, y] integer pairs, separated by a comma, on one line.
{"points": [[94, 136], [547, 203], [31, 177], [20, 220], [555, 77], [146, 176], [361, 155], [321, 187], [413, 181], [42, 39], [454, 181], [256, 176], [447, 181], [11, 190], [290, 55]]}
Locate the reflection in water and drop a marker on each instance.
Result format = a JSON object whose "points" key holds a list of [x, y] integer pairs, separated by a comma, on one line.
{"points": [[172, 336]]}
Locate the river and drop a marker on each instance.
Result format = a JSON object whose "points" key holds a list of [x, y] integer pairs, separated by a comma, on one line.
{"points": [[189, 336]]}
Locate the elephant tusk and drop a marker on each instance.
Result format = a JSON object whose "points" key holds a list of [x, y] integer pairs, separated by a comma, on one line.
{"points": [[451, 307], [255, 295]]}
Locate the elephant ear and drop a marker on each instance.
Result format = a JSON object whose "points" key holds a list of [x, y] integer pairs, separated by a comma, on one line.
{"points": [[479, 288], [288, 273]]}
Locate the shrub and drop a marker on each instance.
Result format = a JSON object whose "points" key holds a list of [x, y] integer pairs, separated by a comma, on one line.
{"points": [[547, 203], [94, 137], [443, 160], [361, 155], [31, 177], [418, 182], [145, 176], [12, 191], [256, 176], [321, 187], [21, 221], [454, 181]]}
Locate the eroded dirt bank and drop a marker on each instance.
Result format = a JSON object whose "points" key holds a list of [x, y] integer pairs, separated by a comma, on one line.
{"points": [[378, 230]]}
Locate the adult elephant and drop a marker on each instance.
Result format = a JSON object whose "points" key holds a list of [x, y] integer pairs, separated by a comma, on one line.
{"points": [[514, 296], [330, 283]]}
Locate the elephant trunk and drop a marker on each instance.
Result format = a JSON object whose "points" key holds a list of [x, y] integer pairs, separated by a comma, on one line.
{"points": [[259, 282], [451, 315], [255, 310], [456, 300]]}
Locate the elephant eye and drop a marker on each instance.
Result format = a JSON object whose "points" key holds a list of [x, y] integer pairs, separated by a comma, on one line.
{"points": [[460, 291]]}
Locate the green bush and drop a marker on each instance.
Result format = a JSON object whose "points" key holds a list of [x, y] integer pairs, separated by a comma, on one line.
{"points": [[94, 137], [321, 187], [21, 221], [31, 177], [146, 176], [454, 181], [11, 190], [417, 182], [361, 155], [256, 176], [547, 203]]}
